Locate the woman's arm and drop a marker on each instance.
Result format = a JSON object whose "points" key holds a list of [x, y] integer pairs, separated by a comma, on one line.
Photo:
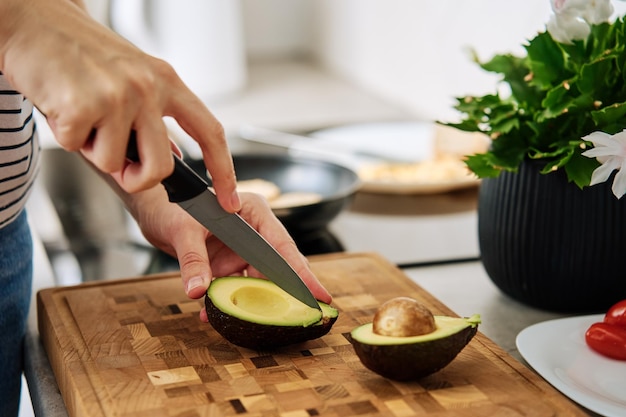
{"points": [[94, 87]]}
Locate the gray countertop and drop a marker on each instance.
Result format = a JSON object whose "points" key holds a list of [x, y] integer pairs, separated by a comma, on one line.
{"points": [[464, 287], [433, 237], [454, 277]]}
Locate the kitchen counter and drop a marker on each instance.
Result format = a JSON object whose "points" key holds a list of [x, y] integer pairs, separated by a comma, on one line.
{"points": [[445, 264], [432, 237], [463, 286], [466, 289], [411, 229]]}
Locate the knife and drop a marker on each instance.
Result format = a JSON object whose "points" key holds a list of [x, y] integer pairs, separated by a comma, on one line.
{"points": [[191, 192]]}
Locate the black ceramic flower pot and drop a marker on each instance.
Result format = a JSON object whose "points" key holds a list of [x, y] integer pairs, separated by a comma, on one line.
{"points": [[550, 245]]}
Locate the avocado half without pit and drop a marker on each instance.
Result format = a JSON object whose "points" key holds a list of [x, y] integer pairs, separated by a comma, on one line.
{"points": [[406, 342], [257, 314]]}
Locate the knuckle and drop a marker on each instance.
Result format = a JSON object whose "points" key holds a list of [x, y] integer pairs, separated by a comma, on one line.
{"points": [[106, 164], [158, 72], [159, 171], [216, 135], [255, 200], [217, 131], [164, 69], [99, 162], [66, 133], [190, 260], [229, 177], [66, 138]]}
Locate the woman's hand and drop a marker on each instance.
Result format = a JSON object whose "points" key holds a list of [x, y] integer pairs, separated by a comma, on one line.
{"points": [[200, 254], [94, 87]]}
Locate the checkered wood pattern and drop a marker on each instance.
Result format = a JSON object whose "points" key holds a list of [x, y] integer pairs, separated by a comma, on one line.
{"points": [[135, 348]]}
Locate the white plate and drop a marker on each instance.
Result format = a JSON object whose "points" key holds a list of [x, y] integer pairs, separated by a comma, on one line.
{"points": [[556, 349], [418, 187], [402, 142]]}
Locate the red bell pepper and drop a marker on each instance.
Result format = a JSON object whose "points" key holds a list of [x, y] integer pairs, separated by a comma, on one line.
{"points": [[607, 339], [616, 315]]}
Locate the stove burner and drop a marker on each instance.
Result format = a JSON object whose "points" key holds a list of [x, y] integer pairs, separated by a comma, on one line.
{"points": [[314, 242], [317, 242]]}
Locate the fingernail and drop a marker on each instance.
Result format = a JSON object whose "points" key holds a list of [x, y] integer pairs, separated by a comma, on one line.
{"points": [[197, 282]]}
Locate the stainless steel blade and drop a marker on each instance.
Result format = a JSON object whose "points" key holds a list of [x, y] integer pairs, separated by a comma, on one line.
{"points": [[238, 235]]}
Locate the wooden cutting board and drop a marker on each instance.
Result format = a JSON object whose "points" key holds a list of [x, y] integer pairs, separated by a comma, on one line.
{"points": [[136, 348]]}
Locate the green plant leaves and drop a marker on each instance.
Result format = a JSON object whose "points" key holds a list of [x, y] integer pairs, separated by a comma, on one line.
{"points": [[482, 166], [611, 117], [546, 61], [579, 169], [558, 94]]}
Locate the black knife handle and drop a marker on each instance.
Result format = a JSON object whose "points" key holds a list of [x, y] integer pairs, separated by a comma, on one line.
{"points": [[182, 185]]}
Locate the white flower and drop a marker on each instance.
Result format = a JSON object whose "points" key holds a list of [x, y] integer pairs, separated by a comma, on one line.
{"points": [[572, 18], [591, 11], [565, 28], [610, 151]]}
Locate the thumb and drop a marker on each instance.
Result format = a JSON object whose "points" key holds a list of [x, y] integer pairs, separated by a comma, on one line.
{"points": [[195, 272], [194, 267], [196, 275]]}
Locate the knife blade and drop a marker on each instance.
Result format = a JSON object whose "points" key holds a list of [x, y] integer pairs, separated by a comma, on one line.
{"points": [[190, 191]]}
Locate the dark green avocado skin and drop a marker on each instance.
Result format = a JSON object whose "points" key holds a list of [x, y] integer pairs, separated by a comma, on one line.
{"points": [[260, 336], [413, 361]]}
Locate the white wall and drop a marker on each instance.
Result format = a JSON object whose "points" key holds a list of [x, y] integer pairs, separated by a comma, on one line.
{"points": [[278, 28], [416, 52], [412, 52]]}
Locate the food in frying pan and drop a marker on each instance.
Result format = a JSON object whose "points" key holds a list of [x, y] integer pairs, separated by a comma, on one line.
{"points": [[403, 344], [257, 314], [277, 199], [295, 199], [265, 188]]}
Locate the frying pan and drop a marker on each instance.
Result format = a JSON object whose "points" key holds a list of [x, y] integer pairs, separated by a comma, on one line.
{"points": [[335, 184]]}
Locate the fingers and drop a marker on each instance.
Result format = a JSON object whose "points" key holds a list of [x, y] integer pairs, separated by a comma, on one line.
{"points": [[106, 150], [155, 157], [193, 116], [203, 315], [131, 103], [301, 266], [93, 79], [257, 212], [196, 271], [193, 259], [201, 256], [101, 133]]}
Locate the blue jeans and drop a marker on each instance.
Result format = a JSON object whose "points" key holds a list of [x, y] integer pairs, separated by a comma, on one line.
{"points": [[16, 270]]}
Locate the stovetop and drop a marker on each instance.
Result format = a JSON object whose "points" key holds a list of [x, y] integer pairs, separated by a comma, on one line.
{"points": [[408, 230]]}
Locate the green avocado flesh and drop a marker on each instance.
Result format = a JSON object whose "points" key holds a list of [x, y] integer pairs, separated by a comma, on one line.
{"points": [[257, 314], [409, 358]]}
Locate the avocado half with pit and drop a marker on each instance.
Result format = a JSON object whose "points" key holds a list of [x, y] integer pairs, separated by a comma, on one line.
{"points": [[402, 357], [257, 314]]}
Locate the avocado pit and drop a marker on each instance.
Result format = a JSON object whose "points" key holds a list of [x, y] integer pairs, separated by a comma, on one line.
{"points": [[403, 317]]}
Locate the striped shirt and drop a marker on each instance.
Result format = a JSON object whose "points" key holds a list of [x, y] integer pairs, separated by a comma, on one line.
{"points": [[19, 151]]}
